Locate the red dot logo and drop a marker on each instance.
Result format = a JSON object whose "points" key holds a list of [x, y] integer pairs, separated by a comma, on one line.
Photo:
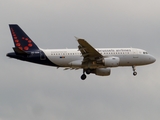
{"points": [[18, 44], [16, 41], [26, 48], [29, 41], [30, 45]]}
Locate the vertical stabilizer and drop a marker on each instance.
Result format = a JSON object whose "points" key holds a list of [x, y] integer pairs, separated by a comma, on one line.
{"points": [[21, 39]]}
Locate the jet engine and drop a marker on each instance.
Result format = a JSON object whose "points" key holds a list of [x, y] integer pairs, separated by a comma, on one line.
{"points": [[102, 71], [111, 61]]}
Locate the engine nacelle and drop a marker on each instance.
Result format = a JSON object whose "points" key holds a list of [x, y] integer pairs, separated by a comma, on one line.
{"points": [[111, 61], [103, 71]]}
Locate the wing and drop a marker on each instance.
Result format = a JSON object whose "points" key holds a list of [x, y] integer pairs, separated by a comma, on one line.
{"points": [[88, 52]]}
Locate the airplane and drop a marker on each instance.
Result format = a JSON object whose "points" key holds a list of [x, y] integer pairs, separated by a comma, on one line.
{"points": [[98, 61]]}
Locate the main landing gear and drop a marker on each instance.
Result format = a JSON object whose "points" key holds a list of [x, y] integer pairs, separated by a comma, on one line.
{"points": [[83, 77], [134, 71], [87, 71]]}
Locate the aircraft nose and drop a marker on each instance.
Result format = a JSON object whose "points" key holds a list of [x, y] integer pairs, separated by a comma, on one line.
{"points": [[152, 59]]}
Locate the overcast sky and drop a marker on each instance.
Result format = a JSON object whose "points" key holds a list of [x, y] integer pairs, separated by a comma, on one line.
{"points": [[35, 92]]}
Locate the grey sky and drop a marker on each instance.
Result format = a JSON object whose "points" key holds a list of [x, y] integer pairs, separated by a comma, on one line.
{"points": [[35, 92]]}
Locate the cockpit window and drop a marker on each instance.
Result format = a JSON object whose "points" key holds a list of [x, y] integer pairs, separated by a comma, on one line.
{"points": [[145, 53]]}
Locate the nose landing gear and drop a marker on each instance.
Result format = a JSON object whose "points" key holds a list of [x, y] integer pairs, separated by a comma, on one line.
{"points": [[134, 71]]}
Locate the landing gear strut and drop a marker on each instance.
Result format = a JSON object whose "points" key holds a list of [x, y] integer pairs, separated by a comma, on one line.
{"points": [[134, 71]]}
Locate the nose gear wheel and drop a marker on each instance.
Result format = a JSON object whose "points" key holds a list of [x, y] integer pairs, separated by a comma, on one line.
{"points": [[134, 71]]}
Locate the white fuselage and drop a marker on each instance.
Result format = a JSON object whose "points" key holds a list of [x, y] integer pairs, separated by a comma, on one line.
{"points": [[127, 56], [92, 60]]}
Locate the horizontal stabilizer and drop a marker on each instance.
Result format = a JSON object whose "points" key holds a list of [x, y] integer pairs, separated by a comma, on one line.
{"points": [[19, 51]]}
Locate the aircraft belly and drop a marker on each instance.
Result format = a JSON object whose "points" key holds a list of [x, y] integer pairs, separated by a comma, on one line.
{"points": [[63, 61]]}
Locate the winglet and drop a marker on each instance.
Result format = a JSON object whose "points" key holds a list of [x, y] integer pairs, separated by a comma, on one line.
{"points": [[76, 37]]}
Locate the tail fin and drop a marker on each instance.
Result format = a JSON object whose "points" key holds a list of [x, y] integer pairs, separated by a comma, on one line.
{"points": [[21, 39]]}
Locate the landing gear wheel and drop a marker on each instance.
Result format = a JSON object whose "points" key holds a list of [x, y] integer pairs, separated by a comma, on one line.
{"points": [[88, 71], [83, 77], [134, 73], [134, 70]]}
